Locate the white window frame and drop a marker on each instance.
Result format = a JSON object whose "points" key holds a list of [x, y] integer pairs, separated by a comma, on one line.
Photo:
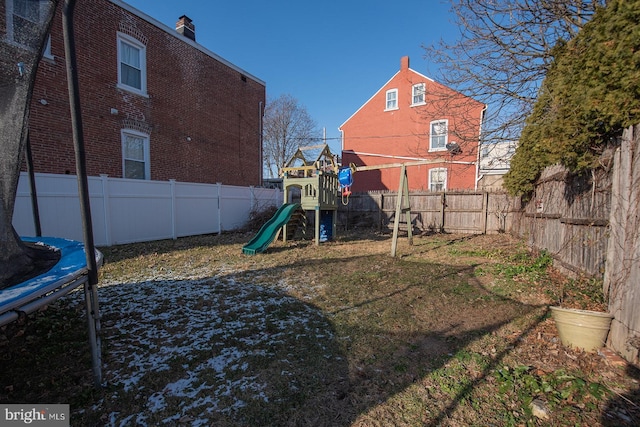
{"points": [[433, 135], [124, 133], [387, 101], [123, 38], [418, 90], [10, 35], [442, 172]]}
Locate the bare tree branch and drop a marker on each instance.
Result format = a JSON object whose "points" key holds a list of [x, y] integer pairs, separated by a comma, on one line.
{"points": [[287, 126], [503, 52]]}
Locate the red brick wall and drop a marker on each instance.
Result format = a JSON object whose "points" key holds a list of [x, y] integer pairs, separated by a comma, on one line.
{"points": [[403, 135], [190, 95]]}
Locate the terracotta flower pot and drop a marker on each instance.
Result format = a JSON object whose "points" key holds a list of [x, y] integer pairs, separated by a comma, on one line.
{"points": [[583, 329]]}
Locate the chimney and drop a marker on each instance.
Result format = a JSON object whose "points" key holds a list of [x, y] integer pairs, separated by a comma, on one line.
{"points": [[185, 27], [404, 63]]}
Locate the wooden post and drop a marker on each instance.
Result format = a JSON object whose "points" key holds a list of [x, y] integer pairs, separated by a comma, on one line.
{"points": [[485, 211], [403, 193], [317, 225], [407, 207], [334, 226], [380, 212], [283, 230], [443, 199]]}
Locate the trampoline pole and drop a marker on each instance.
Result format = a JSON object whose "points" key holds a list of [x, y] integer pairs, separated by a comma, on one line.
{"points": [[91, 293], [93, 321], [34, 194]]}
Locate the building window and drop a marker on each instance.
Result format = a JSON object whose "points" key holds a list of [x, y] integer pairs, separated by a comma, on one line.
{"points": [[439, 131], [132, 64], [392, 99], [417, 94], [438, 179], [24, 18], [485, 152], [135, 155]]}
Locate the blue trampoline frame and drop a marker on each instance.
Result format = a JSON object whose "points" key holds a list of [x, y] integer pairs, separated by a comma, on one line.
{"points": [[67, 274]]}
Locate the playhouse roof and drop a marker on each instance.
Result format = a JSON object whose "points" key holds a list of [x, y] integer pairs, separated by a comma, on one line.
{"points": [[310, 154]]}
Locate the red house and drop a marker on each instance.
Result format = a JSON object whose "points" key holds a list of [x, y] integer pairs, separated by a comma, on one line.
{"points": [[155, 103], [413, 119]]}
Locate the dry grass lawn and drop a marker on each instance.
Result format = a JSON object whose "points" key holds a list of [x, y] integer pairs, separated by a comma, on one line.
{"points": [[454, 331]]}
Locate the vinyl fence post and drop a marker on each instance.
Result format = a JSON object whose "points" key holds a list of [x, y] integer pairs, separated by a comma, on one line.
{"points": [[252, 198], [172, 188], [219, 187], [106, 208]]}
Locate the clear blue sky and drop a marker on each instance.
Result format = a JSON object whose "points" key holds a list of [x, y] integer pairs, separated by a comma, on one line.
{"points": [[330, 55]]}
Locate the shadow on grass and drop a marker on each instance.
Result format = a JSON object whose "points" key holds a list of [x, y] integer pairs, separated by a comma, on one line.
{"points": [[624, 409]]}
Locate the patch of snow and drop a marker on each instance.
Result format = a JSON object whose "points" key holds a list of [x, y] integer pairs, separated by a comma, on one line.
{"points": [[218, 323]]}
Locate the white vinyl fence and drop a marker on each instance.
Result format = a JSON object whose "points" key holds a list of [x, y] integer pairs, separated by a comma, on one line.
{"points": [[131, 210]]}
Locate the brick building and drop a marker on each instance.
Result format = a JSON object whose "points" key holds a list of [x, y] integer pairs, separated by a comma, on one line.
{"points": [[412, 118], [155, 103]]}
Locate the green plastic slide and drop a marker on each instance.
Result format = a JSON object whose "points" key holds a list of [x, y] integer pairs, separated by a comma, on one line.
{"points": [[269, 230]]}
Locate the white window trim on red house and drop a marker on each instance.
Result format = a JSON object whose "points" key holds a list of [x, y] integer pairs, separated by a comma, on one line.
{"points": [[418, 91], [433, 135], [438, 177], [391, 103]]}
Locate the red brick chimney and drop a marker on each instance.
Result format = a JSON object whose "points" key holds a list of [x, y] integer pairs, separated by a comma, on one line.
{"points": [[404, 63], [185, 27]]}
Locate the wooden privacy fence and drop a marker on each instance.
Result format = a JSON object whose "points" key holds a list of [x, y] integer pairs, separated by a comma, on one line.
{"points": [[568, 217], [451, 212], [133, 210]]}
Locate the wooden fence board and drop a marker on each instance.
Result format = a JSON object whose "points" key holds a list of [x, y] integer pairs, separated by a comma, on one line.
{"points": [[622, 267]]}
